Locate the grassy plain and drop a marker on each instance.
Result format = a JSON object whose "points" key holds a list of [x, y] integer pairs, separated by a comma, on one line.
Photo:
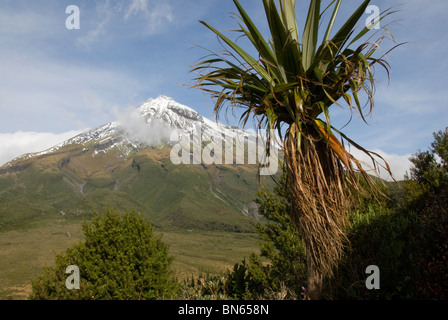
{"points": [[26, 250]]}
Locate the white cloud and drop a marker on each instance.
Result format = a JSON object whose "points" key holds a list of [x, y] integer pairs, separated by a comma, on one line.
{"points": [[148, 14], [13, 145], [399, 164], [104, 12], [136, 7], [155, 13], [139, 129]]}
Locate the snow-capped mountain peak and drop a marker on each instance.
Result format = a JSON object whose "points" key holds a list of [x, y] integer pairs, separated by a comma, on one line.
{"points": [[148, 125], [169, 111]]}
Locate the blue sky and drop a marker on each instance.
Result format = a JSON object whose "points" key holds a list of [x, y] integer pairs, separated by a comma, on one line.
{"points": [[57, 82]]}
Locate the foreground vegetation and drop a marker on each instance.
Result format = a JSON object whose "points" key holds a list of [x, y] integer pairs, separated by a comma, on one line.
{"points": [[405, 235]]}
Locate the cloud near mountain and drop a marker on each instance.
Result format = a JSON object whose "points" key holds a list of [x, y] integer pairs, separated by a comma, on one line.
{"points": [[138, 128], [15, 144]]}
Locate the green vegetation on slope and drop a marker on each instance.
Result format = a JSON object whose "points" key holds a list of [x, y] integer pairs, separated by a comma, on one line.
{"points": [[173, 196]]}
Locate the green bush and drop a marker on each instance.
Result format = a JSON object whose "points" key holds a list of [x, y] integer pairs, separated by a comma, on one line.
{"points": [[120, 259], [408, 239], [427, 194], [383, 238], [285, 273]]}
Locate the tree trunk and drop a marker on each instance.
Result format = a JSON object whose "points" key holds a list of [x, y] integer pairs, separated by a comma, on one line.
{"points": [[315, 281], [316, 182]]}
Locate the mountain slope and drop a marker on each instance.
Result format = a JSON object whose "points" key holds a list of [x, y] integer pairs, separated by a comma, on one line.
{"points": [[126, 164]]}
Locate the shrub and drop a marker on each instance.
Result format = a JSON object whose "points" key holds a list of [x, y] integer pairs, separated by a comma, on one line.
{"points": [[427, 194], [120, 259], [281, 246], [279, 272], [407, 240]]}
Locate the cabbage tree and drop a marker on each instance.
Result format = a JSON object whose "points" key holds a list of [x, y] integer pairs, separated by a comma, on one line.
{"points": [[289, 87]]}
